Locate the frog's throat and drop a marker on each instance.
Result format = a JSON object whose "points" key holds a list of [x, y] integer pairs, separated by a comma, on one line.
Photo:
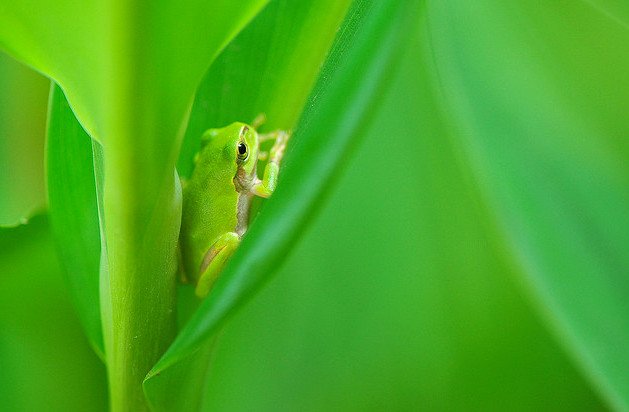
{"points": [[243, 183], [244, 205]]}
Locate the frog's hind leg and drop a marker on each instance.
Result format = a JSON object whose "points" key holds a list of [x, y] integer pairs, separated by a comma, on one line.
{"points": [[214, 261]]}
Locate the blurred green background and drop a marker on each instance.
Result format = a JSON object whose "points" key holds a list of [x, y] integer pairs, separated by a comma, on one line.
{"points": [[383, 304], [409, 290]]}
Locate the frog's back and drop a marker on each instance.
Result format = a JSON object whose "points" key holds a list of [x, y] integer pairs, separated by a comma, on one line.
{"points": [[210, 202]]}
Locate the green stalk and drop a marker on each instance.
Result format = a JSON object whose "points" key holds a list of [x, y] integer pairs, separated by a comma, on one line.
{"points": [[141, 280], [142, 211]]}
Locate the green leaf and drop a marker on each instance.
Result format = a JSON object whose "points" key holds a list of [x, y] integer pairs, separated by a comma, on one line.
{"points": [[269, 68], [255, 74], [399, 296], [46, 361], [74, 212], [540, 116], [129, 70], [141, 198], [337, 110], [85, 48]]}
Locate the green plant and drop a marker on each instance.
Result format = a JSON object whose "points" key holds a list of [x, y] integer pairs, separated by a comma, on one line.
{"points": [[496, 164]]}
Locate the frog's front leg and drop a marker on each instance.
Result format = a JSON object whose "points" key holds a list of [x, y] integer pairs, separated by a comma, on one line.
{"points": [[266, 186], [214, 261]]}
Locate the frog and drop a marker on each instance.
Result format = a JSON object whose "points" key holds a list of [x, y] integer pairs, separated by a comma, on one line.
{"points": [[217, 197]]}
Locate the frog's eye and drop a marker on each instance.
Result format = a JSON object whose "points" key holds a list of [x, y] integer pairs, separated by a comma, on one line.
{"points": [[243, 153]]}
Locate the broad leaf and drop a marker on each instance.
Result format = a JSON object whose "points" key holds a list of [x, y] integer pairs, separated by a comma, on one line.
{"points": [[540, 115], [335, 114], [399, 296], [129, 70], [74, 212], [46, 361], [255, 74], [270, 69]]}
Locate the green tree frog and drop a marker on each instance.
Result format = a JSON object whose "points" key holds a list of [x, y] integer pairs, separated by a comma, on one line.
{"points": [[218, 195]]}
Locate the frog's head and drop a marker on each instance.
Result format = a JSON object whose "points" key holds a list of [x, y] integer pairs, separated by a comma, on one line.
{"points": [[232, 148], [247, 148], [237, 142]]}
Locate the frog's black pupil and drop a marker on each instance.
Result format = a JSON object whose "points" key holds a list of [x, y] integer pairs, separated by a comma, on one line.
{"points": [[242, 149]]}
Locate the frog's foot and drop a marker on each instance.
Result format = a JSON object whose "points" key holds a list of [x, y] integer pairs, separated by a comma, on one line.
{"points": [[277, 151], [214, 261], [263, 156], [259, 120], [266, 186], [279, 136]]}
